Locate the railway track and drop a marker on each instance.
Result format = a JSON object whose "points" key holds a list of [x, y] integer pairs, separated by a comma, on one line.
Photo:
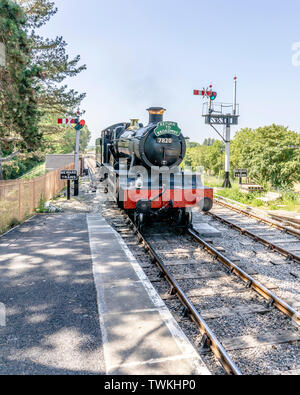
{"points": [[273, 235], [276, 221], [232, 314]]}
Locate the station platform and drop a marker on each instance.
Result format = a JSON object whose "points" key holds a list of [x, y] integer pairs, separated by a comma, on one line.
{"points": [[140, 336], [77, 302]]}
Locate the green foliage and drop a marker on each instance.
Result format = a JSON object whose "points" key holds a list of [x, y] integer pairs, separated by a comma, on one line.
{"points": [[51, 58], [31, 85], [41, 207], [19, 113], [246, 198], [37, 171], [271, 154], [17, 167], [209, 142], [191, 144], [61, 139], [288, 202], [211, 158], [38, 11]]}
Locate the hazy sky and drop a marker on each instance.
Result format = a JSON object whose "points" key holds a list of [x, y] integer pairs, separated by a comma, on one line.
{"points": [[142, 53]]}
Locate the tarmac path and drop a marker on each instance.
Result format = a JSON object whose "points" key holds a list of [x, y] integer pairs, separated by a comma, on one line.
{"points": [[47, 288]]}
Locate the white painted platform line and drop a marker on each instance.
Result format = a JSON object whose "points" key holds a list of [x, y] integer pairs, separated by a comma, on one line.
{"points": [[188, 352]]}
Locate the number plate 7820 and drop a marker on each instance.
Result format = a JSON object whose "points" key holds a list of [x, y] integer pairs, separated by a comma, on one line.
{"points": [[162, 140]]}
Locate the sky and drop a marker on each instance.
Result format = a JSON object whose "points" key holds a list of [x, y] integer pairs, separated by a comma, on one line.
{"points": [[142, 53]]}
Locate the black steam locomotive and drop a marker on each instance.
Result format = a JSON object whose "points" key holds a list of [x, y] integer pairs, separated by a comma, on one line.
{"points": [[141, 168]]}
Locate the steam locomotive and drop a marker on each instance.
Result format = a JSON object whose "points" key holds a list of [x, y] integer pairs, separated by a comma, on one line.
{"points": [[141, 168]]}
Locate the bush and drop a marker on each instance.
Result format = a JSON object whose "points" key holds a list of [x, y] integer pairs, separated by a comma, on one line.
{"points": [[16, 168]]}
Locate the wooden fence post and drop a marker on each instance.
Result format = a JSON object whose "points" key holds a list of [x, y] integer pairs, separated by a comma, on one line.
{"points": [[33, 194], [19, 200]]}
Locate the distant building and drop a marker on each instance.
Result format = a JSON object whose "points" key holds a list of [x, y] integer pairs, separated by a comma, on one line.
{"points": [[58, 161]]}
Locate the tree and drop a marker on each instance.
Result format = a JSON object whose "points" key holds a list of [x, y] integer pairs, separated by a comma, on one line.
{"points": [[53, 61], [209, 142], [216, 158], [31, 86], [191, 144], [19, 113], [271, 154], [61, 139], [211, 158], [38, 11]]}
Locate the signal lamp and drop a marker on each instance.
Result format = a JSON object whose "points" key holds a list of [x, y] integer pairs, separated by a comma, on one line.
{"points": [[213, 96]]}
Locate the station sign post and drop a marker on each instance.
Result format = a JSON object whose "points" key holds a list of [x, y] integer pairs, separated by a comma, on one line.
{"points": [[69, 175], [241, 173]]}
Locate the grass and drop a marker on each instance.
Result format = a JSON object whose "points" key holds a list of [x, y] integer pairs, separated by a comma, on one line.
{"points": [[38, 171], [289, 202]]}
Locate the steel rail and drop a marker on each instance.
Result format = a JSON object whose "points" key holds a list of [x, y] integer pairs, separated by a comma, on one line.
{"points": [[251, 282], [260, 219], [214, 344], [290, 255]]}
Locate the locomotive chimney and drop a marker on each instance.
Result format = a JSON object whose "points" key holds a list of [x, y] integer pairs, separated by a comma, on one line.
{"points": [[156, 114]]}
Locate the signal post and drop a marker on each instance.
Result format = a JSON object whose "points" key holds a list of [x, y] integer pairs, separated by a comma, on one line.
{"points": [[79, 124], [221, 114]]}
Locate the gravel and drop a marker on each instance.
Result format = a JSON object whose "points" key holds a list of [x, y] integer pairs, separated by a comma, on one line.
{"points": [[216, 289], [270, 266]]}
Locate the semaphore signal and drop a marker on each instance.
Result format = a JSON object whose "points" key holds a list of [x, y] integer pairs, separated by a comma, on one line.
{"points": [[66, 121], [219, 114], [79, 124], [206, 93], [73, 121]]}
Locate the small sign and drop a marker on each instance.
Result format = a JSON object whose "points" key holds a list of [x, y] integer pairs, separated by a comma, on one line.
{"points": [[2, 55], [167, 128], [241, 173], [68, 175]]}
